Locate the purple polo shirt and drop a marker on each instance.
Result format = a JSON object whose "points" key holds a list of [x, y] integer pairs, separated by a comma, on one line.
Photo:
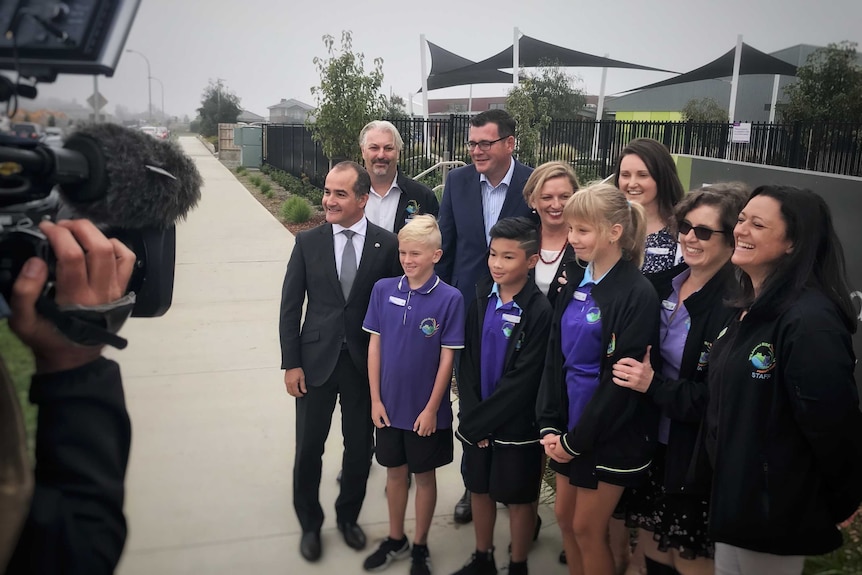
{"points": [[413, 325], [675, 323], [581, 338], [499, 323]]}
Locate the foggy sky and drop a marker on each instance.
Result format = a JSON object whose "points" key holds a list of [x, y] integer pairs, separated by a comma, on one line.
{"points": [[263, 49]]}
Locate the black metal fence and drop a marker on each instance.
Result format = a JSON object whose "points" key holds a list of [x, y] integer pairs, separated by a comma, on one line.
{"points": [[593, 147]]}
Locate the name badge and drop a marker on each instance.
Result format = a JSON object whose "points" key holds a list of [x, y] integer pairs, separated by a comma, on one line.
{"points": [[511, 318], [397, 301], [668, 305], [658, 251], [580, 296]]}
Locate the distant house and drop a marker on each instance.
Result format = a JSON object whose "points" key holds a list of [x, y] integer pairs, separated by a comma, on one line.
{"points": [[289, 112], [249, 117]]}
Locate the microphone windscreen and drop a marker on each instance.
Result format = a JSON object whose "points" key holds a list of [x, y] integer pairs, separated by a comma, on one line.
{"points": [[129, 167]]}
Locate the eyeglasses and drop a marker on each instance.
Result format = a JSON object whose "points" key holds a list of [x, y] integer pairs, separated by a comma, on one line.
{"points": [[700, 232], [484, 145]]}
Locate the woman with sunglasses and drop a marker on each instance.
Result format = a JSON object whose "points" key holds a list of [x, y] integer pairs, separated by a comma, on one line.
{"points": [[671, 511]]}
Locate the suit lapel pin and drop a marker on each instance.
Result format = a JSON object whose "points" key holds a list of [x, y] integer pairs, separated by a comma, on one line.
{"points": [[376, 245]]}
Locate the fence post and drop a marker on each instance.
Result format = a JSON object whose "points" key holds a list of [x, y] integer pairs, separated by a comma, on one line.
{"points": [[450, 138], [447, 156]]}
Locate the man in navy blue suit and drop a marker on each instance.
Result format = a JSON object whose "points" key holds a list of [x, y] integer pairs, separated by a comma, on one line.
{"points": [[478, 195], [474, 198]]}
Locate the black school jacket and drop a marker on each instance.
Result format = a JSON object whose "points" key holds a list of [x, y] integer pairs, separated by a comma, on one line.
{"points": [[684, 400], [507, 417], [783, 428], [618, 427]]}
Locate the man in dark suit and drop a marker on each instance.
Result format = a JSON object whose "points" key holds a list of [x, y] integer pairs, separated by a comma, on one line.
{"points": [[474, 198], [334, 265], [394, 198]]}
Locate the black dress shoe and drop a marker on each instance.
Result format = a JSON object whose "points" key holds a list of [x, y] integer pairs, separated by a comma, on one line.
{"points": [[309, 546], [353, 535], [464, 509]]}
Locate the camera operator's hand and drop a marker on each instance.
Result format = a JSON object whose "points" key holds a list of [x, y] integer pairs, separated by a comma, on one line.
{"points": [[91, 270]]}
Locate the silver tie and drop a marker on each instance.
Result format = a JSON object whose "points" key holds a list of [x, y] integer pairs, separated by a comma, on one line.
{"points": [[348, 264]]}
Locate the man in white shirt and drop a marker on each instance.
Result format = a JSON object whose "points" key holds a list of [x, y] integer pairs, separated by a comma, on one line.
{"points": [[394, 198]]}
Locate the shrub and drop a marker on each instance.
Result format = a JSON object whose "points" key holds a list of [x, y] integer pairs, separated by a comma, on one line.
{"points": [[255, 181], [265, 169], [296, 210], [240, 170], [266, 189]]}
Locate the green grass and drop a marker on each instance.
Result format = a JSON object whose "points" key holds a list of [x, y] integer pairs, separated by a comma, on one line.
{"points": [[240, 170], [255, 181], [296, 210], [19, 362], [266, 189]]}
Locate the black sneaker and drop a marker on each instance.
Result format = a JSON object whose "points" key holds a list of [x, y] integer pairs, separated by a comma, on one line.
{"points": [[420, 562], [390, 550], [481, 563], [518, 568]]}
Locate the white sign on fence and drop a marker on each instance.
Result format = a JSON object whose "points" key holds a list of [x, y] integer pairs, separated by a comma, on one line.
{"points": [[741, 133]]}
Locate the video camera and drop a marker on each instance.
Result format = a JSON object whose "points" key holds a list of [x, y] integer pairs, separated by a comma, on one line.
{"points": [[130, 185]]}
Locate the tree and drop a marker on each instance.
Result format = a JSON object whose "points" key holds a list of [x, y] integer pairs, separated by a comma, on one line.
{"points": [[348, 97], [704, 110], [529, 120], [394, 107], [541, 96], [218, 105], [829, 87]]}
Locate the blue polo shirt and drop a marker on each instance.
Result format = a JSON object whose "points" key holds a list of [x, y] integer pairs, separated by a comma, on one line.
{"points": [[497, 327], [581, 339], [413, 325], [673, 331]]}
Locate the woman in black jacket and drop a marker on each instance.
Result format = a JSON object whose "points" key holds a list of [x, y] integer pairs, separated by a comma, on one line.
{"points": [[671, 508], [783, 427], [599, 436]]}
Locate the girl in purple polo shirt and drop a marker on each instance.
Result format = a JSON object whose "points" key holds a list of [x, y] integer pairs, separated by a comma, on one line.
{"points": [[599, 436]]}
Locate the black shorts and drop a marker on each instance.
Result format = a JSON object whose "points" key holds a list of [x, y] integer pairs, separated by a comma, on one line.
{"points": [[586, 475], [508, 474], [397, 447]]}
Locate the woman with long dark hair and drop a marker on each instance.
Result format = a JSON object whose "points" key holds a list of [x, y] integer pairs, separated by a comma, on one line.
{"points": [[783, 429]]}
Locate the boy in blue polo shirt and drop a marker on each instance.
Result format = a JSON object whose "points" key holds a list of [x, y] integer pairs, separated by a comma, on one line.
{"points": [[416, 323], [506, 339]]}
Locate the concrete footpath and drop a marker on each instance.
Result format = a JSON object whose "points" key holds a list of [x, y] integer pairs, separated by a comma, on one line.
{"points": [[209, 482]]}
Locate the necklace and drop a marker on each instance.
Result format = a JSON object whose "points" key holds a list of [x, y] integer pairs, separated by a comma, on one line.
{"points": [[553, 261]]}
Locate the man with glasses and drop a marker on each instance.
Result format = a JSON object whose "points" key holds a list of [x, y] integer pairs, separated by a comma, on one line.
{"points": [[474, 198]]}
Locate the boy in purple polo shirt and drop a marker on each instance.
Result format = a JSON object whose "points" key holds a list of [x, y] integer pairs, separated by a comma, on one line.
{"points": [[416, 323], [505, 344]]}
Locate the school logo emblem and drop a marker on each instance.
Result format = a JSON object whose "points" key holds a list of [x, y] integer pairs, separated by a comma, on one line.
{"points": [[507, 329], [412, 208], [703, 358], [612, 346], [429, 326], [594, 314], [762, 358]]}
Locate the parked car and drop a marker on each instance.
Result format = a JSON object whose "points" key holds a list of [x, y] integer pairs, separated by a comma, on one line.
{"points": [[27, 130], [158, 132], [53, 136]]}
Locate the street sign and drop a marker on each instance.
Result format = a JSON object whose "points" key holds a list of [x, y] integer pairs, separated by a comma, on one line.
{"points": [[97, 100]]}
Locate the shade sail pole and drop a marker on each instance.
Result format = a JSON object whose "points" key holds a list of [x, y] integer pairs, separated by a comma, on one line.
{"points": [[600, 110], [424, 64], [774, 99], [470, 100], [516, 57], [734, 84]]}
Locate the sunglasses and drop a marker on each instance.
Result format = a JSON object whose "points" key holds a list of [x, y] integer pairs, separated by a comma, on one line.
{"points": [[700, 232]]}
